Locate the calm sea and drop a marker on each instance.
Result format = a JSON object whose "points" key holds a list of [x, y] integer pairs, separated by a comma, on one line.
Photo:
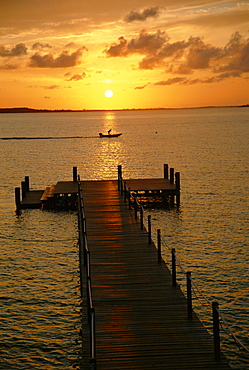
{"points": [[39, 298]]}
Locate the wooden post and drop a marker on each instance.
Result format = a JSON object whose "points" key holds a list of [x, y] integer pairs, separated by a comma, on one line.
{"points": [[119, 177], [18, 199], [27, 183], [92, 360], [135, 210], [74, 174], [173, 266], [141, 218], [189, 295], [171, 175], [129, 197], [216, 331], [166, 171], [125, 192], [23, 185], [159, 254], [177, 177], [149, 229]]}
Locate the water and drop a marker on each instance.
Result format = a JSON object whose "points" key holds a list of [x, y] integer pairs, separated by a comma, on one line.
{"points": [[40, 294]]}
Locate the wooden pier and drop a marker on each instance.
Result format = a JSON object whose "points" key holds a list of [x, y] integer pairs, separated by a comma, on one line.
{"points": [[141, 321], [154, 191]]}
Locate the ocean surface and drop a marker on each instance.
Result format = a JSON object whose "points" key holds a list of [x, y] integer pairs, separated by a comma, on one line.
{"points": [[39, 297]]}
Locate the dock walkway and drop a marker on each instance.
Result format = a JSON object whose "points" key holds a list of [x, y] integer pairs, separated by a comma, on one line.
{"points": [[141, 320]]}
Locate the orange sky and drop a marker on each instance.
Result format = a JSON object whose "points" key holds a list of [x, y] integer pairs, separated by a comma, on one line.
{"points": [[166, 53]]}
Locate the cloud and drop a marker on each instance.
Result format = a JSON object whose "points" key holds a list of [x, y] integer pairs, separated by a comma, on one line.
{"points": [[135, 15], [141, 87], [236, 54], [185, 81], [8, 66], [39, 45], [171, 81], [52, 87], [77, 77], [18, 50], [145, 43], [64, 60], [184, 56]]}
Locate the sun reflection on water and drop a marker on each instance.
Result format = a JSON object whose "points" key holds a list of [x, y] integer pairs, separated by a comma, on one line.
{"points": [[109, 152]]}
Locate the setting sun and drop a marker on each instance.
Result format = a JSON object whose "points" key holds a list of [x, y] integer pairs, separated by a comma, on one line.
{"points": [[108, 93], [157, 56]]}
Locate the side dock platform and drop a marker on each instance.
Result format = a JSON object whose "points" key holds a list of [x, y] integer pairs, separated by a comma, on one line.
{"points": [[154, 191]]}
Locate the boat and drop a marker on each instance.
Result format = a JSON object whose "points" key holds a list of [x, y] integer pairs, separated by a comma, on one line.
{"points": [[109, 134]]}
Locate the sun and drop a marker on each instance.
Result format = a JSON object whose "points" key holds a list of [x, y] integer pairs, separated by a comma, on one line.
{"points": [[108, 93]]}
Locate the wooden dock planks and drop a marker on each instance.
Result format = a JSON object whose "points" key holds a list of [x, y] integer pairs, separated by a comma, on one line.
{"points": [[32, 199], [155, 184], [141, 320]]}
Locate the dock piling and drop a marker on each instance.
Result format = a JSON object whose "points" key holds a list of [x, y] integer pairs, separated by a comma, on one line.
{"points": [[171, 175], [27, 183], [74, 174], [23, 185], [18, 199], [166, 171]]}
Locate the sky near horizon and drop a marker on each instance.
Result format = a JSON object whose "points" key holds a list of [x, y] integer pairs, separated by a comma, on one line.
{"points": [[157, 53]]}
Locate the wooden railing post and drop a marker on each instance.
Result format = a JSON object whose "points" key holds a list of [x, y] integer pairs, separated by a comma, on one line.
{"points": [[125, 192], [129, 197], [149, 229], [216, 331], [159, 254], [189, 295], [173, 266], [92, 361], [166, 171], [121, 186], [119, 177], [141, 218], [135, 208]]}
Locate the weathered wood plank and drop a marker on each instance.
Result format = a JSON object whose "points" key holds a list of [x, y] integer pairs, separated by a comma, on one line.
{"points": [[48, 193], [141, 320], [32, 199]]}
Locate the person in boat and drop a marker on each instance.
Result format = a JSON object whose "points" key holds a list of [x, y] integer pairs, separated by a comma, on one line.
{"points": [[109, 131]]}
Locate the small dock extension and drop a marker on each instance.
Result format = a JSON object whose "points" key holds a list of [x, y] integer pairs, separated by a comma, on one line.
{"points": [[153, 192], [48, 193]]}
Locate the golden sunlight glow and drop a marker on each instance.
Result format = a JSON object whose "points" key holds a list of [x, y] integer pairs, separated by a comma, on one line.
{"points": [[108, 93], [171, 60]]}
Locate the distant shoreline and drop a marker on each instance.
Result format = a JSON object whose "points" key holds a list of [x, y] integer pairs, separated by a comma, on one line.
{"points": [[33, 110]]}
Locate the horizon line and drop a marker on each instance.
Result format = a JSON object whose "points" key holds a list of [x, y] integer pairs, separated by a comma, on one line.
{"points": [[44, 110]]}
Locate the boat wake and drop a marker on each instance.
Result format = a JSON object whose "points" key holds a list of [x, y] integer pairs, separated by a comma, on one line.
{"points": [[46, 137]]}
